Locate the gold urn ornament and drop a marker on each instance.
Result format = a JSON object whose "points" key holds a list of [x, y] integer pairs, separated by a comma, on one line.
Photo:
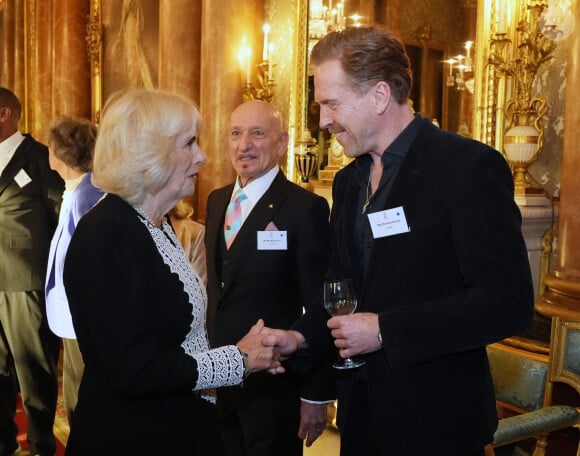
{"points": [[306, 160], [523, 141]]}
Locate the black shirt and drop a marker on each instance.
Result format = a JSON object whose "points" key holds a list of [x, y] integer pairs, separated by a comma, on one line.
{"points": [[391, 159]]}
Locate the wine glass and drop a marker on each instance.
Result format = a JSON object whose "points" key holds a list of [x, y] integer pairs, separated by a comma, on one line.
{"points": [[340, 299]]}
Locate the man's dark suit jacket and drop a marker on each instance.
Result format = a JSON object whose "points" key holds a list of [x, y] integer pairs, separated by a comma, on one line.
{"points": [[28, 217], [245, 283], [29, 196], [460, 279]]}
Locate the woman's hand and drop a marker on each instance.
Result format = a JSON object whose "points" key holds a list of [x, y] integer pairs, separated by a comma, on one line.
{"points": [[260, 357]]}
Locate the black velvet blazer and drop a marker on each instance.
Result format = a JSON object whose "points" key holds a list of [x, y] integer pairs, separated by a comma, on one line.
{"points": [[459, 280]]}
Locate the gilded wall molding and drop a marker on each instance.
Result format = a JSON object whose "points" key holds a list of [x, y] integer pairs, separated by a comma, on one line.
{"points": [[298, 83], [94, 38], [29, 50]]}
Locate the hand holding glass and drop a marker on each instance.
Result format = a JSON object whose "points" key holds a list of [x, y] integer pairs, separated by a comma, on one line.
{"points": [[340, 299]]}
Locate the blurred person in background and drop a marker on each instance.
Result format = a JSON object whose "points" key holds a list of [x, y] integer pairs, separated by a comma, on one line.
{"points": [[30, 194], [71, 143], [190, 233]]}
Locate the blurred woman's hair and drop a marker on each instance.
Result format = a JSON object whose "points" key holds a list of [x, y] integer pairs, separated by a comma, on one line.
{"points": [[182, 210], [72, 140]]}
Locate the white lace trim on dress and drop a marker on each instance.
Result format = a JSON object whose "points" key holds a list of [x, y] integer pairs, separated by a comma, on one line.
{"points": [[222, 366]]}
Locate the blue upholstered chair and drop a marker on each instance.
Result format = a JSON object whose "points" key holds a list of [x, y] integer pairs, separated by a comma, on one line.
{"points": [[524, 381]]}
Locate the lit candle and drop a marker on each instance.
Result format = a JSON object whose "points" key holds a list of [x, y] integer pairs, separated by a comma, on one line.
{"points": [[244, 59], [241, 61], [248, 54], [501, 16], [270, 49], [451, 62], [450, 79], [266, 29], [315, 7], [468, 45]]}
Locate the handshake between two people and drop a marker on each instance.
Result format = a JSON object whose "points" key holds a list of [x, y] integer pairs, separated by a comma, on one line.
{"points": [[353, 335], [266, 348]]}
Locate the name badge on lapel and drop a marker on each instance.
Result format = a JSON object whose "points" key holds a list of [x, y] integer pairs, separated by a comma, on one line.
{"points": [[272, 240], [22, 178], [388, 222]]}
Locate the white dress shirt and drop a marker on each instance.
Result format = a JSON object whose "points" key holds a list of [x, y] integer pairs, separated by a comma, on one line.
{"points": [[254, 190], [57, 309], [8, 147]]}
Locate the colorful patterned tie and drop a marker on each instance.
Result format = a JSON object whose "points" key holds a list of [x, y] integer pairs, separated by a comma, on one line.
{"points": [[233, 220]]}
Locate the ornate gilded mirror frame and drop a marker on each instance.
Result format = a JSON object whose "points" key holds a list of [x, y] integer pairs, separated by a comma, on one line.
{"points": [[298, 90], [484, 103], [491, 87]]}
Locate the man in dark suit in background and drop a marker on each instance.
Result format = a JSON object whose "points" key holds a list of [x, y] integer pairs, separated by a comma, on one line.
{"points": [[425, 223], [30, 193], [271, 269]]}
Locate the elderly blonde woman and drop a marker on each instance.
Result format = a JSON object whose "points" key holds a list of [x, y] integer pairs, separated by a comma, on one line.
{"points": [[137, 307]]}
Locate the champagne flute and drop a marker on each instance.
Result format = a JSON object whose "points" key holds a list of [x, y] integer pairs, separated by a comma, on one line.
{"points": [[340, 299]]}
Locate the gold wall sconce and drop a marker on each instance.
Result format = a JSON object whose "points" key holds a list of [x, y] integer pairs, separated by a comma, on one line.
{"points": [[264, 89]]}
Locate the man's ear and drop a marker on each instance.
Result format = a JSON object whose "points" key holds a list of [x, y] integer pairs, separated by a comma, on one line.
{"points": [[382, 96], [5, 113], [283, 143]]}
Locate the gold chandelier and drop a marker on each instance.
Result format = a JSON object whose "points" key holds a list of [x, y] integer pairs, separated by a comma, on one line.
{"points": [[327, 16], [324, 18]]}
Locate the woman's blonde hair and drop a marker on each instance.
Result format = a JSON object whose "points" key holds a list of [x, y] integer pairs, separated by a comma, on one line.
{"points": [[134, 153], [183, 209]]}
